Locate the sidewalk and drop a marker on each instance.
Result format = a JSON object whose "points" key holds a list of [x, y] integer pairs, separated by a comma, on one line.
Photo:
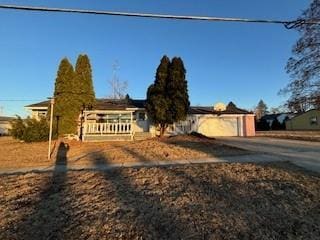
{"points": [[254, 158]]}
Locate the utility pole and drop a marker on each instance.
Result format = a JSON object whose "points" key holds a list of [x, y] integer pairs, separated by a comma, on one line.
{"points": [[51, 122]]}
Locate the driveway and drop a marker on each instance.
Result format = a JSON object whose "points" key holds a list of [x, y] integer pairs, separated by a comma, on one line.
{"points": [[302, 153]]}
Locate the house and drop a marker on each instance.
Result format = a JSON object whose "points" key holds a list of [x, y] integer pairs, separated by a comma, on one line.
{"points": [[5, 125], [309, 120], [38, 110], [281, 117], [114, 119], [269, 118]]}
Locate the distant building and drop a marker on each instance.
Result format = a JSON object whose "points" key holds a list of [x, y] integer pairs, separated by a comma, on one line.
{"points": [[281, 117], [5, 125], [309, 120]]}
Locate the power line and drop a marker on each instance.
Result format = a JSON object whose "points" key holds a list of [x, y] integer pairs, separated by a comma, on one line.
{"points": [[288, 24], [20, 100]]}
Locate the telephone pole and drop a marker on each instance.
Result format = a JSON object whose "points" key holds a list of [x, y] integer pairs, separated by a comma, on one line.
{"points": [[51, 122]]}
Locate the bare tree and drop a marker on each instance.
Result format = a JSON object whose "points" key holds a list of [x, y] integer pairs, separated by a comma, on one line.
{"points": [[304, 65], [118, 88]]}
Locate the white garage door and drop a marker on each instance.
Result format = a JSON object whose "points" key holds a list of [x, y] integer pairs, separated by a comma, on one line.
{"points": [[218, 126]]}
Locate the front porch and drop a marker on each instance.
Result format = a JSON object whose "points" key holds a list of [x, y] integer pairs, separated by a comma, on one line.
{"points": [[112, 125], [107, 125]]}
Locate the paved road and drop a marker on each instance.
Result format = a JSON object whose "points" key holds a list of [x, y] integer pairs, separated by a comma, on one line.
{"points": [[302, 153]]}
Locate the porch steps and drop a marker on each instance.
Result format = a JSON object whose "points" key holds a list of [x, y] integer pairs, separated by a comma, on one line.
{"points": [[142, 135]]}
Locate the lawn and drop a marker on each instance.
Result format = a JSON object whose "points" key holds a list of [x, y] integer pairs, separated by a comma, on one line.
{"points": [[200, 201], [15, 154]]}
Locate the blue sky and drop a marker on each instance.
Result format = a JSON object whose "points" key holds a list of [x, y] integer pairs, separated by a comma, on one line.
{"points": [[225, 61]]}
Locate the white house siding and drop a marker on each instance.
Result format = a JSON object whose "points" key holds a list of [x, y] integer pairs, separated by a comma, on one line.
{"points": [[141, 124]]}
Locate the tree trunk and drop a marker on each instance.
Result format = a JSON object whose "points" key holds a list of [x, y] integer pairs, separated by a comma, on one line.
{"points": [[163, 128]]}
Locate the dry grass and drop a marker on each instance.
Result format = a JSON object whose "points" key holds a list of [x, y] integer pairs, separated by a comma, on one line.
{"points": [[14, 154], [205, 201]]}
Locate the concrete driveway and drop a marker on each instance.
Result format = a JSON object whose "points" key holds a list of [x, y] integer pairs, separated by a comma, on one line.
{"points": [[302, 153]]}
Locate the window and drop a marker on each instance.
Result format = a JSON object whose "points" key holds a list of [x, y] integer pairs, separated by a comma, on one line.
{"points": [[313, 120], [42, 114]]}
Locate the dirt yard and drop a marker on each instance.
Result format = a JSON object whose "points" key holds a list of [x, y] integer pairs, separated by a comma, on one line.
{"points": [[15, 154], [201, 201]]}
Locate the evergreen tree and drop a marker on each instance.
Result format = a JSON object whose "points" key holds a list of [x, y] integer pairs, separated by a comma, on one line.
{"points": [[262, 125], [276, 125], [65, 111], [167, 97], [261, 109], [177, 89], [83, 86], [158, 102]]}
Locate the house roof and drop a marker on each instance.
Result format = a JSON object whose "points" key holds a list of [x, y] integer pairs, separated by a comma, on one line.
{"points": [[302, 113], [272, 116], [104, 104], [230, 109], [6, 119], [119, 104], [39, 104], [122, 104]]}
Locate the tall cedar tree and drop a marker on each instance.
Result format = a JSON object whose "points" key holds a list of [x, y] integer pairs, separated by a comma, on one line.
{"points": [[303, 66], [158, 102], [83, 83], [65, 112], [177, 90], [167, 97]]}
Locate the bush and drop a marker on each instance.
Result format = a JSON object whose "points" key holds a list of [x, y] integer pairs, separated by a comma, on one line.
{"points": [[263, 125], [276, 125], [30, 130], [18, 128]]}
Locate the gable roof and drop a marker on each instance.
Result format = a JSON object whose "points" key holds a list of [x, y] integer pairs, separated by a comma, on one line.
{"points": [[123, 104], [119, 104], [39, 104], [302, 113], [230, 109]]}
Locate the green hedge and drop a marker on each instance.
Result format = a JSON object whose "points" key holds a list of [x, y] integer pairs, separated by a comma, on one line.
{"points": [[30, 130]]}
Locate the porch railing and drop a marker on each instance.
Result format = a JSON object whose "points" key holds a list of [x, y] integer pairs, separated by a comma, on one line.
{"points": [[107, 128]]}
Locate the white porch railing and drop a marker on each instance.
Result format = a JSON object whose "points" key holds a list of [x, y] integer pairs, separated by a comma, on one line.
{"points": [[107, 128]]}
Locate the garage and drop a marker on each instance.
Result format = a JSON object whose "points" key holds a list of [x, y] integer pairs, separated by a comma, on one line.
{"points": [[218, 126], [221, 120]]}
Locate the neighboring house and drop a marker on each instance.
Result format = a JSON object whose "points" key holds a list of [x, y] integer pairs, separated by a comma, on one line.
{"points": [[38, 110], [282, 117], [127, 120], [5, 125], [309, 120]]}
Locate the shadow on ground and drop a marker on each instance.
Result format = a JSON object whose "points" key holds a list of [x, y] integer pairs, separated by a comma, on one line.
{"points": [[199, 201], [46, 206], [199, 206]]}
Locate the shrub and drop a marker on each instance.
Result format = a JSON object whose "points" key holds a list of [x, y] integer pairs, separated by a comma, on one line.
{"points": [[263, 125], [276, 125], [17, 128], [30, 130]]}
